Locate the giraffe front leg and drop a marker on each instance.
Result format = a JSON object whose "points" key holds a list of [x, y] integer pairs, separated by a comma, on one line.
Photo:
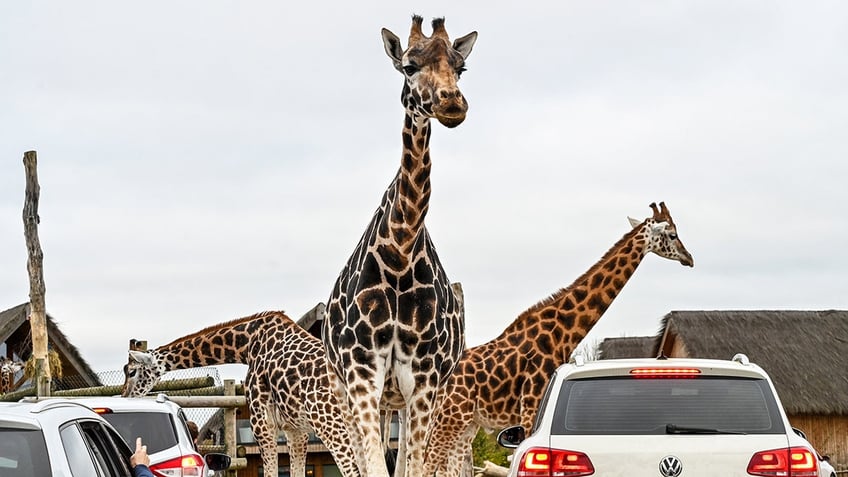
{"points": [[297, 440], [453, 454], [418, 413], [334, 431], [467, 461], [354, 433], [366, 416], [451, 431], [263, 424]]}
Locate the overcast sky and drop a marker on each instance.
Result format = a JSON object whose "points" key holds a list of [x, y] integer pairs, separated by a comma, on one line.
{"points": [[201, 161]]}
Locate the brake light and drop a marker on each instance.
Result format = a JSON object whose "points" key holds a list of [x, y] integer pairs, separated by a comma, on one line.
{"points": [[102, 410], [794, 462], [665, 372], [546, 462], [190, 465]]}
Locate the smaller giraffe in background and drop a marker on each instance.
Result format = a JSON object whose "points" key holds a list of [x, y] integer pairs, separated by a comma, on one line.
{"points": [[287, 383], [500, 383], [8, 370]]}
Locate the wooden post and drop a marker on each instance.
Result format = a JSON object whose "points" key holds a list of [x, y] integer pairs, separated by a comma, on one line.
{"points": [[230, 425], [138, 345], [37, 313]]}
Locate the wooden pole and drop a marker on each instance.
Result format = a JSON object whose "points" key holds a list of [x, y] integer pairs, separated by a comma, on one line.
{"points": [[230, 426], [37, 313]]}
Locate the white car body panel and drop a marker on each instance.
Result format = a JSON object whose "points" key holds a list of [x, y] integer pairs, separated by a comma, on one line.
{"points": [[700, 455]]}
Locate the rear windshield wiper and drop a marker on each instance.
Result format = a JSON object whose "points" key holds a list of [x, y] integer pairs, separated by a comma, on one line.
{"points": [[675, 429]]}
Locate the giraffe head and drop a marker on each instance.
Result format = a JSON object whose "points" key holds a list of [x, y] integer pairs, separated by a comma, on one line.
{"points": [[141, 373], [660, 236], [431, 67], [8, 369]]}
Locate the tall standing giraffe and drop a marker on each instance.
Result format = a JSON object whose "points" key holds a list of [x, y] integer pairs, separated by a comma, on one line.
{"points": [[287, 383], [393, 328], [500, 383]]}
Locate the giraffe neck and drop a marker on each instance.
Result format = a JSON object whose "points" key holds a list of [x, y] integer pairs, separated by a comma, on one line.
{"points": [[221, 344], [408, 197], [574, 310]]}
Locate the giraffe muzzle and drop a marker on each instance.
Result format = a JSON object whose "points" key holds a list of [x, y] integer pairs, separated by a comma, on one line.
{"points": [[452, 115]]}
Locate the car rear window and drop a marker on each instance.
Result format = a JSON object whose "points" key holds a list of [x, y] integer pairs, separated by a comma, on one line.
{"points": [[23, 452], [627, 405], [156, 429]]}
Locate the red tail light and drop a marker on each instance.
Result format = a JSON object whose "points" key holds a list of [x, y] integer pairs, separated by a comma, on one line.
{"points": [[190, 465], [794, 462], [665, 372], [102, 410], [545, 462]]}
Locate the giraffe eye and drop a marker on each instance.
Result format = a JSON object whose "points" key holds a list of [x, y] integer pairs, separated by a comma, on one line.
{"points": [[411, 69], [459, 71], [672, 236]]}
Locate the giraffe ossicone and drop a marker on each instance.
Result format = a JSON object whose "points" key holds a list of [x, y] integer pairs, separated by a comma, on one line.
{"points": [[394, 328], [501, 383]]}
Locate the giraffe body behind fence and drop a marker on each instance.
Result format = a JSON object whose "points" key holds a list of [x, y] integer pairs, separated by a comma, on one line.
{"points": [[394, 329], [287, 383], [500, 383]]}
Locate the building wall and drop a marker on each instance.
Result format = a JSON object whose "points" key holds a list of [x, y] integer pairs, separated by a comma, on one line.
{"points": [[828, 434]]}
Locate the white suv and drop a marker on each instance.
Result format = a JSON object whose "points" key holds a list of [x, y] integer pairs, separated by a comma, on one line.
{"points": [[664, 417], [60, 438], [161, 424]]}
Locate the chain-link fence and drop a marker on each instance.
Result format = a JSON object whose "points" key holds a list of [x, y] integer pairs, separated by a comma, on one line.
{"points": [[200, 415]]}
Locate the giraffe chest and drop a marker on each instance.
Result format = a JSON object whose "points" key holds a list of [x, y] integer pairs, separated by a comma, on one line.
{"points": [[398, 305], [409, 289]]}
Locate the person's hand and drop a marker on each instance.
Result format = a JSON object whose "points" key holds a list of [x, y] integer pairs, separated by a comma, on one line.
{"points": [[140, 456]]}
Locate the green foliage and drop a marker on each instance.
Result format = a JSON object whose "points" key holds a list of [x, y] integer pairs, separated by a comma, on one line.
{"points": [[485, 447]]}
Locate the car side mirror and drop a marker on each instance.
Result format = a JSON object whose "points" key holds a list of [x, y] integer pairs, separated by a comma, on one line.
{"points": [[217, 461], [511, 437]]}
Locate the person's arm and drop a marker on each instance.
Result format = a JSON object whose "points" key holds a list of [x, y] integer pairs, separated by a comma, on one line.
{"points": [[140, 461]]}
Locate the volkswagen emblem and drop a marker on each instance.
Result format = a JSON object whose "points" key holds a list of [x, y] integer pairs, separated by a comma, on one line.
{"points": [[670, 466]]}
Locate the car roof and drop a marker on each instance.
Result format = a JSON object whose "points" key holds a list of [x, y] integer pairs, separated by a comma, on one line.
{"points": [[28, 414], [740, 367], [126, 404]]}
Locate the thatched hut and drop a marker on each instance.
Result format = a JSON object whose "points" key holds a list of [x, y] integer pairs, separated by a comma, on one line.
{"points": [[16, 344], [628, 347], [804, 352]]}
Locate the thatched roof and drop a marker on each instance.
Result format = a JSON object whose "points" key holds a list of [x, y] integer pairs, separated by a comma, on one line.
{"points": [[804, 352], [14, 327], [628, 347]]}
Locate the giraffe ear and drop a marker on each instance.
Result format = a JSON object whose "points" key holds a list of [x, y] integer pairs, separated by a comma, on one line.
{"points": [[633, 222], [140, 357], [393, 48], [463, 45]]}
